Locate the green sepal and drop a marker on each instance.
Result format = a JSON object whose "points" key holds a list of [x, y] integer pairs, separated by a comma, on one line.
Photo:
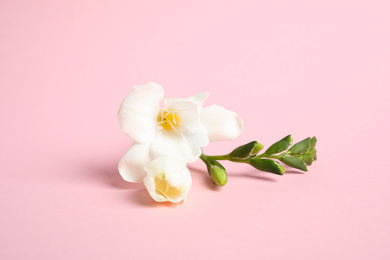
{"points": [[211, 163], [246, 151], [308, 159], [279, 146], [300, 147], [313, 143], [267, 165], [294, 162]]}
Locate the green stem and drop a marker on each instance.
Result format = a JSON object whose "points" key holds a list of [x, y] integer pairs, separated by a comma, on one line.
{"points": [[215, 157], [245, 154], [226, 157], [204, 157]]}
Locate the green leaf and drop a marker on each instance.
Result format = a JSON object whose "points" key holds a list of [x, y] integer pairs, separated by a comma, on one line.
{"points": [[279, 146], [301, 146], [267, 165], [307, 159], [246, 151], [313, 143], [294, 162]]}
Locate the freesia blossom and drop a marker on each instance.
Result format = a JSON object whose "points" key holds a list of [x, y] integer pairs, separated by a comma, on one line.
{"points": [[167, 179], [178, 129]]}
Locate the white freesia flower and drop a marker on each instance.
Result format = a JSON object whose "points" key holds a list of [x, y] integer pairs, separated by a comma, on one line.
{"points": [[167, 179], [178, 129]]}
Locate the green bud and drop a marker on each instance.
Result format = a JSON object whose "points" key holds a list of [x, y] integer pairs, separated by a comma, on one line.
{"points": [[267, 165], [279, 146], [294, 162], [308, 159], [218, 175], [216, 171], [313, 153], [258, 147], [246, 151], [300, 147]]}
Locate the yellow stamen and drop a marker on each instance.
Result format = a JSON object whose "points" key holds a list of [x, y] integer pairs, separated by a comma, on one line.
{"points": [[164, 189], [168, 119]]}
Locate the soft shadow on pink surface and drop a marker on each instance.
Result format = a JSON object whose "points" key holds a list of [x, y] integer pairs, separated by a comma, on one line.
{"points": [[107, 174], [293, 171], [142, 198], [253, 174], [205, 177]]}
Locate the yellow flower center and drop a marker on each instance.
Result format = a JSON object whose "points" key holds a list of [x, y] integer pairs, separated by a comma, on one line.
{"points": [[168, 119], [164, 189]]}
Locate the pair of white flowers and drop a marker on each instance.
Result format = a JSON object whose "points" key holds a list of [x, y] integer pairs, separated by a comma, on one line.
{"points": [[166, 138]]}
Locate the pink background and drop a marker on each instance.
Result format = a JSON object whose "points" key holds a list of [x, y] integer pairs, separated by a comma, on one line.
{"points": [[287, 67]]}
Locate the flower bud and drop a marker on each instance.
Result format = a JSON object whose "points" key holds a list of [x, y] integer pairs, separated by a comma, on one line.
{"points": [[167, 179], [257, 148], [246, 151], [218, 175]]}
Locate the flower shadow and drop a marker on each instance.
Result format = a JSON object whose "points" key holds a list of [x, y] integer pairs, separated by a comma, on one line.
{"points": [[107, 173], [254, 174], [206, 177], [142, 198]]}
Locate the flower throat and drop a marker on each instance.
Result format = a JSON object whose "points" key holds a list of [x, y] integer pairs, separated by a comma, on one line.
{"points": [[164, 189], [168, 119]]}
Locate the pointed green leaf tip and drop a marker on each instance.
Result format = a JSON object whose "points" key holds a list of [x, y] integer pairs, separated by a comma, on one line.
{"points": [[246, 151], [279, 146], [267, 165], [294, 162], [300, 147]]}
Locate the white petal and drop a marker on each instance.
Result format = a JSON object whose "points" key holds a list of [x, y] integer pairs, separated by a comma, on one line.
{"points": [[167, 179], [138, 112], [188, 112], [132, 165], [188, 109], [151, 187], [199, 99], [177, 146], [220, 123], [198, 138], [196, 99]]}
